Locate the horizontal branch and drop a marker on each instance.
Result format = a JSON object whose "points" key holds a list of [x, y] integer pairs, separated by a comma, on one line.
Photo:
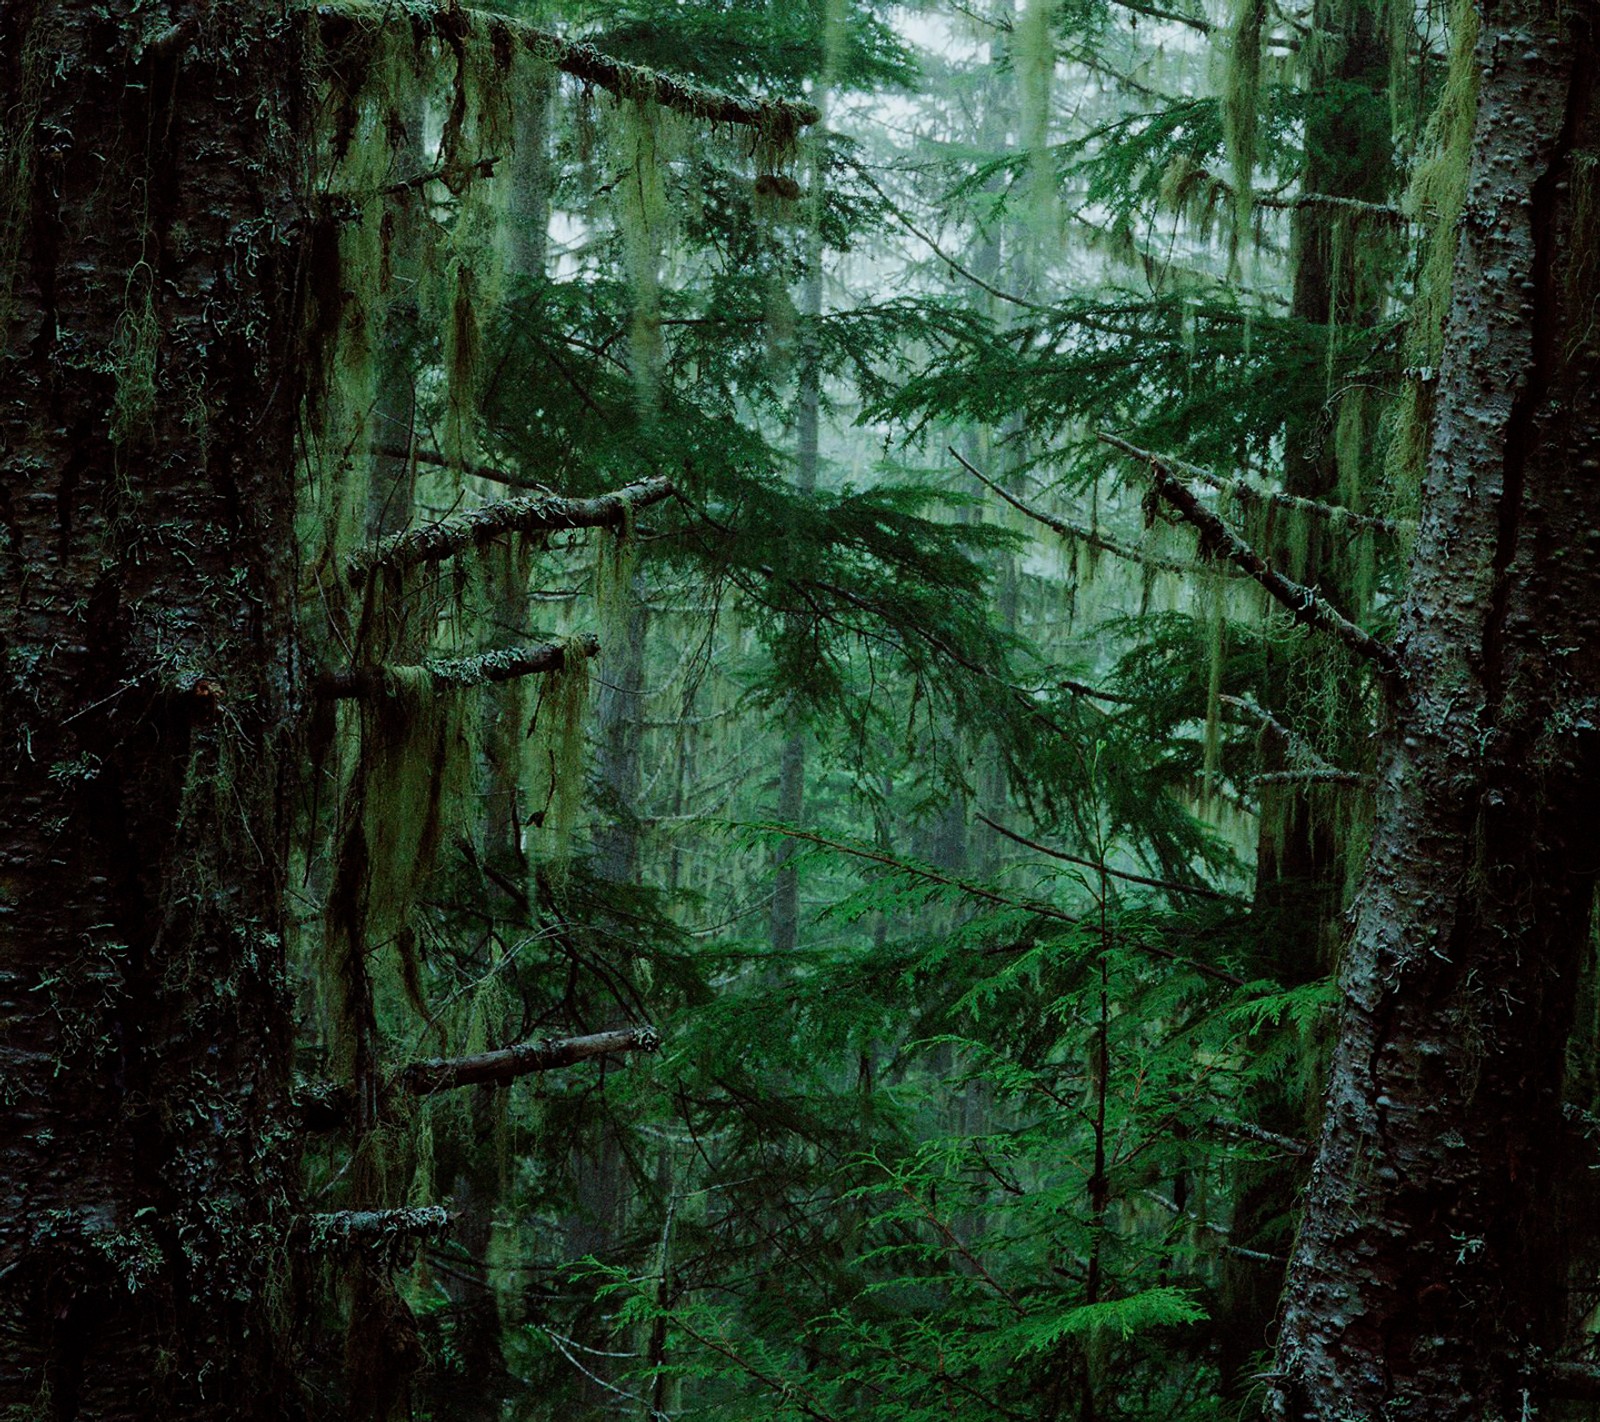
{"points": [[1244, 1130], [454, 674], [339, 1229], [778, 118], [504, 1066], [436, 541], [1318, 775], [1248, 493], [479, 471], [1170, 885], [326, 1106], [1091, 536], [1306, 605]]}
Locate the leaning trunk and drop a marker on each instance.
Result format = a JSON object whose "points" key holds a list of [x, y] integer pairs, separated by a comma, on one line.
{"points": [[1425, 1274]]}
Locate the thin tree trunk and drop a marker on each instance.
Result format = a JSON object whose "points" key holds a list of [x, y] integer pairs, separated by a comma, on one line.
{"points": [[1428, 1270]]}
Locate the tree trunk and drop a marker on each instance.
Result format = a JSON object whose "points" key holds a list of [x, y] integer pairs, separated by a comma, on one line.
{"points": [[1426, 1274], [149, 159]]}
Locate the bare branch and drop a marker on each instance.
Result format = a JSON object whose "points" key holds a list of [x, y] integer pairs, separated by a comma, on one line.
{"points": [[505, 1066], [1244, 1130], [1155, 13], [1306, 605], [369, 683], [777, 119], [1093, 537], [437, 541]]}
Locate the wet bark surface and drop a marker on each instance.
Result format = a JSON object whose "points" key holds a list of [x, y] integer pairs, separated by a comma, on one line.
{"points": [[1427, 1276], [146, 578]]}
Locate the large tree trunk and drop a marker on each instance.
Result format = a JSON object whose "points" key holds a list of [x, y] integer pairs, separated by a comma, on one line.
{"points": [[1426, 1274], [148, 165]]}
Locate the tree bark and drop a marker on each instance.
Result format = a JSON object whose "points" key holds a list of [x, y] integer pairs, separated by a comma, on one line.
{"points": [[1427, 1273], [151, 157]]}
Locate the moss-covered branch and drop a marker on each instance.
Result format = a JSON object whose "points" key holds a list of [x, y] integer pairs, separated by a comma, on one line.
{"points": [[1306, 605], [341, 1229], [1248, 493], [326, 1106], [505, 1066], [367, 683], [437, 541], [777, 119], [1091, 537]]}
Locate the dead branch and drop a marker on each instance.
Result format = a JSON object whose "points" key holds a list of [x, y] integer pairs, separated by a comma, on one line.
{"points": [[370, 683], [502, 1067], [1245, 1131], [444, 539], [778, 119], [1306, 605], [1319, 775], [478, 471]]}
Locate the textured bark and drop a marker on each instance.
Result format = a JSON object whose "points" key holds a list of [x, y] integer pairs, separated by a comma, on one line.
{"points": [[147, 400], [456, 673], [1427, 1273]]}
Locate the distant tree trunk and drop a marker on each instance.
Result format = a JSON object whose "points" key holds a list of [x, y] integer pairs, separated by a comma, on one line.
{"points": [[149, 164], [1427, 1274]]}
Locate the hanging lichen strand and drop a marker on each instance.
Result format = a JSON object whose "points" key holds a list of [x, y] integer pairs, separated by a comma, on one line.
{"points": [[1241, 93], [1035, 58]]}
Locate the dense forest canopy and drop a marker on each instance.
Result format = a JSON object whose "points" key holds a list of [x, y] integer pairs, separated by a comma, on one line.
{"points": [[813, 711]]}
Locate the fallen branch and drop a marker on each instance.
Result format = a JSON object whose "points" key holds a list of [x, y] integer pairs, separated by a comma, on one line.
{"points": [[778, 119], [1306, 605], [504, 1066], [370, 683], [437, 541], [1093, 537]]}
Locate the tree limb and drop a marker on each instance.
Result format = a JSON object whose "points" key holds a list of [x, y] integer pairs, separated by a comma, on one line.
{"points": [[370, 683], [1306, 605], [778, 119], [502, 1067], [1093, 537], [479, 471], [1318, 775], [1170, 885], [339, 1229], [437, 541]]}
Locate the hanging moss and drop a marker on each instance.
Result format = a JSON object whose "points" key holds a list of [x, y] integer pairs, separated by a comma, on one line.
{"points": [[135, 346], [556, 738], [1241, 103], [17, 141], [1034, 55]]}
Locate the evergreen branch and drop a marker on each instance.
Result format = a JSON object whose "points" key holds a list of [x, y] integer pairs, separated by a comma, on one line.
{"points": [[999, 293], [437, 541], [502, 1067], [339, 1229], [1092, 537], [977, 891], [478, 471], [370, 683], [1192, 21], [1170, 885], [1306, 605], [779, 118], [1291, 739]]}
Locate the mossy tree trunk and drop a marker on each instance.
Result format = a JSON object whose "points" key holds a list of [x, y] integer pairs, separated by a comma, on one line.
{"points": [[149, 160], [1427, 1274]]}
